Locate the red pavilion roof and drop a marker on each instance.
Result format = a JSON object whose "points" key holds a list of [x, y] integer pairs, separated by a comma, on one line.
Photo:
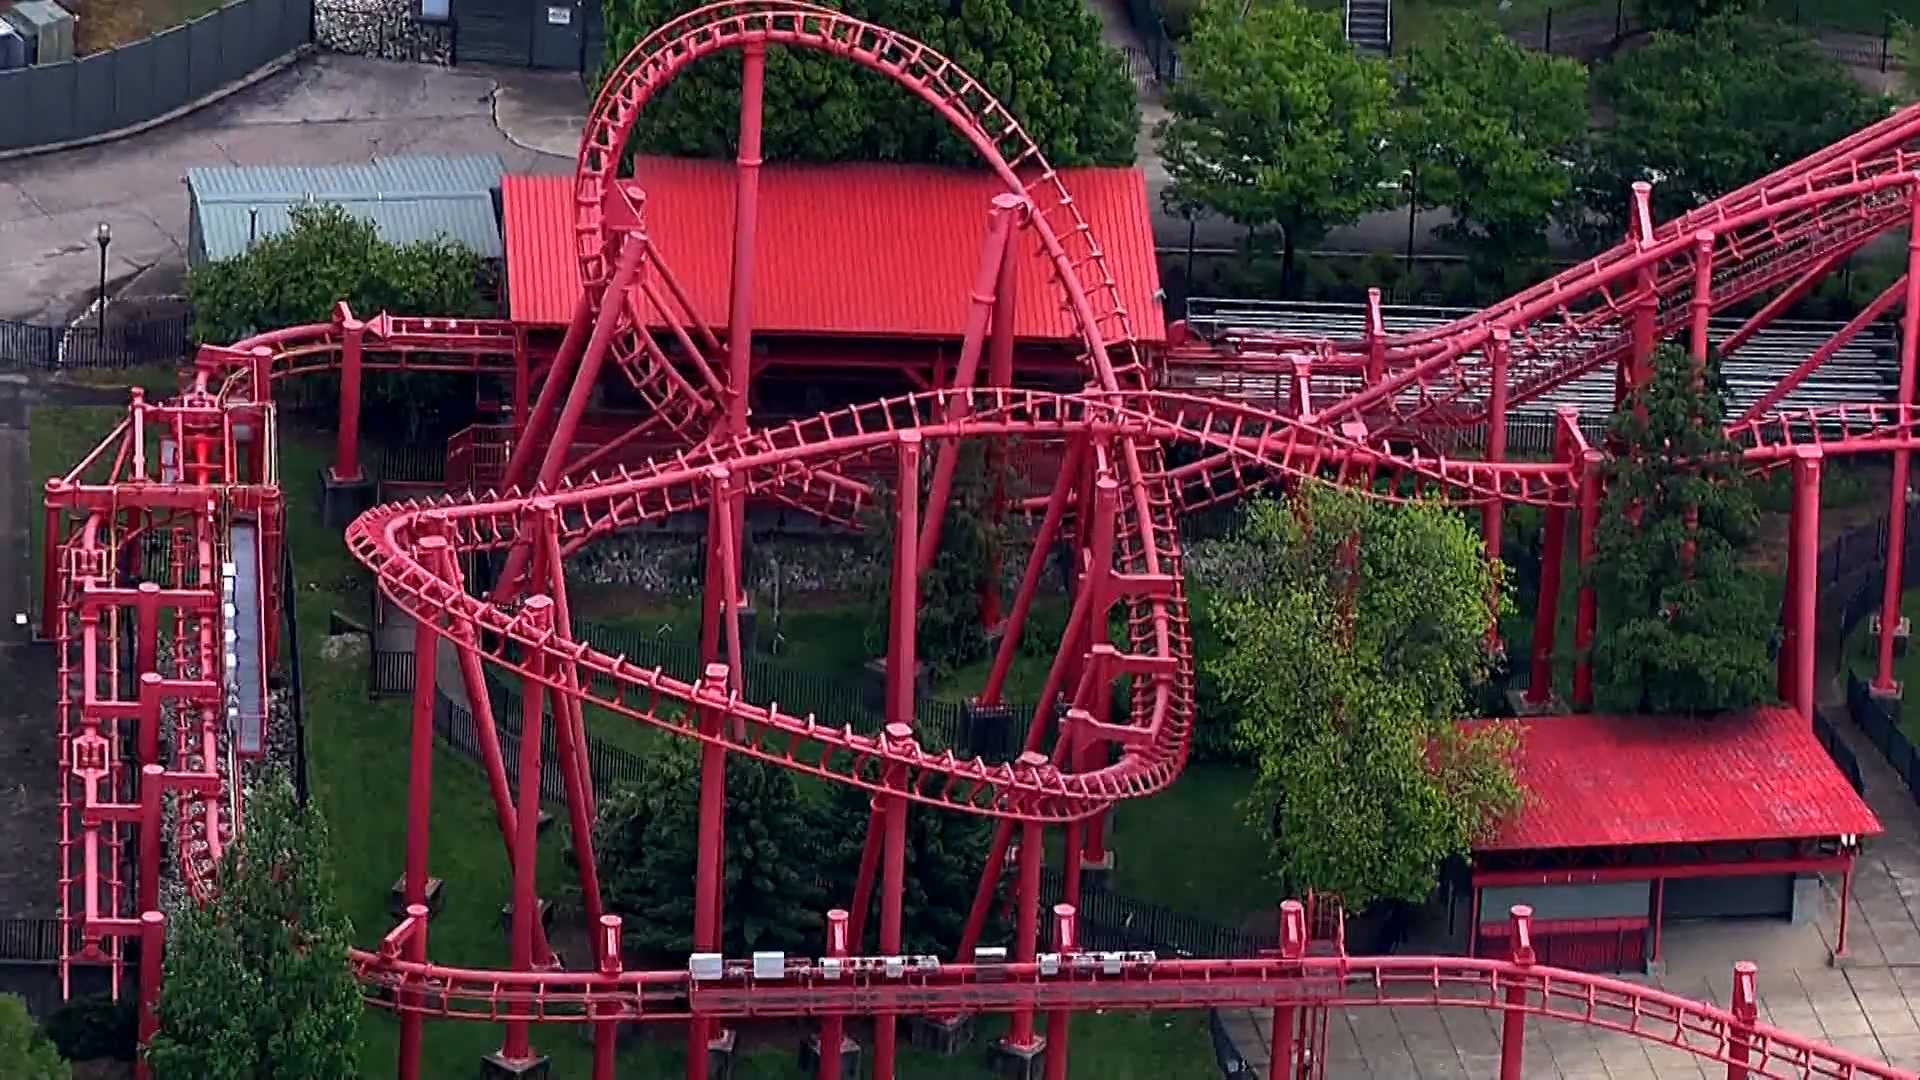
{"points": [[870, 250], [1622, 781]]}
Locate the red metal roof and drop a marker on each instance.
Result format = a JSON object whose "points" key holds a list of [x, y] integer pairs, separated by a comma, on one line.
{"points": [[1618, 781], [844, 249]]}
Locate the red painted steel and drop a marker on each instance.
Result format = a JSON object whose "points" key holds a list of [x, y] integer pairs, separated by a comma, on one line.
{"points": [[1115, 491]]}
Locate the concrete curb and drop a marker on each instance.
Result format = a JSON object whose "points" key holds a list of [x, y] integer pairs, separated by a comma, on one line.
{"points": [[271, 68]]}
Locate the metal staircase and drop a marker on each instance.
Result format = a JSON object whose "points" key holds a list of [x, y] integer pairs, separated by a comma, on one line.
{"points": [[1369, 26]]}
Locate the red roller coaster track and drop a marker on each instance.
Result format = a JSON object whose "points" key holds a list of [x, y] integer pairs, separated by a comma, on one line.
{"points": [[191, 484]]}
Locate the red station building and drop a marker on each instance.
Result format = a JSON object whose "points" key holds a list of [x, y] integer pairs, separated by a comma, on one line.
{"points": [[1629, 822]]}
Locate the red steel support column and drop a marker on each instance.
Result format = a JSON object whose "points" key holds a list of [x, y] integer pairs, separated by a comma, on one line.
{"points": [[746, 213], [632, 248], [346, 446], [1659, 915], [1498, 347], [606, 1033], [901, 665], [153, 944], [1058, 1019], [708, 855], [538, 612], [150, 793], [532, 429], [1785, 663], [1897, 497], [1547, 608], [1099, 581], [1376, 339], [1513, 1024], [50, 563], [146, 641], [1586, 615], [833, 1026], [1026, 915], [999, 374], [420, 749], [1700, 306], [1806, 562], [410, 1019], [1293, 946], [1745, 1008]]}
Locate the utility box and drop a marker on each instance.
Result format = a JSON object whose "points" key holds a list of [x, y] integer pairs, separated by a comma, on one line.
{"points": [[47, 29], [13, 48]]}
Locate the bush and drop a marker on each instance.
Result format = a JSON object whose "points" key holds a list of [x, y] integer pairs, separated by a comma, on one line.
{"points": [[96, 1026]]}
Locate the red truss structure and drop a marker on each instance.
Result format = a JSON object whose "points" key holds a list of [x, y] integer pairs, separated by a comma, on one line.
{"points": [[162, 555]]}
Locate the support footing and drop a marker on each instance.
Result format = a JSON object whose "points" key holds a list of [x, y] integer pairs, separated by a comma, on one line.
{"points": [[720, 1050], [849, 1057], [343, 500], [1890, 696], [495, 1067], [1902, 633], [1097, 874], [1019, 1062], [397, 897], [544, 908], [946, 1035]]}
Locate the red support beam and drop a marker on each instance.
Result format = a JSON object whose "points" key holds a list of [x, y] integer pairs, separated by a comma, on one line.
{"points": [[537, 615], [1553, 557], [1894, 581], [1806, 563], [346, 447], [1586, 615], [1513, 1023], [426, 650]]}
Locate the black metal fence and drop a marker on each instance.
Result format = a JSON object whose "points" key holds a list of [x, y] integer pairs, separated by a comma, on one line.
{"points": [[157, 339], [1852, 573], [1150, 22], [296, 687], [1110, 920], [104, 92], [29, 941]]}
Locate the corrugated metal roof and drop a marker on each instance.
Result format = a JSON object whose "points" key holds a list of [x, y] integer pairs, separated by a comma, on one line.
{"points": [[1622, 781], [847, 249], [226, 228], [407, 199]]}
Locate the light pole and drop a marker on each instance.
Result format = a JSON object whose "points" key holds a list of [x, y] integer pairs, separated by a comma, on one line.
{"points": [[103, 235], [1410, 181]]}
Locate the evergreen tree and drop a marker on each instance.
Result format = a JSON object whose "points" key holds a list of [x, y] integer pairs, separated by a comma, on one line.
{"points": [[25, 1053], [1683, 620], [945, 851], [256, 981], [645, 840]]}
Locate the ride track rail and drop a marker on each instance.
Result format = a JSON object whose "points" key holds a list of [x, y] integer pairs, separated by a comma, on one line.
{"points": [[1114, 497]]}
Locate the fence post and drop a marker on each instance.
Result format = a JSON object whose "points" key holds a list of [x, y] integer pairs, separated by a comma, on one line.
{"points": [[1886, 39]]}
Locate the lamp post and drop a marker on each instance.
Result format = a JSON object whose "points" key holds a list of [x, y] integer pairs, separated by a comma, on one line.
{"points": [[1410, 181], [103, 235]]}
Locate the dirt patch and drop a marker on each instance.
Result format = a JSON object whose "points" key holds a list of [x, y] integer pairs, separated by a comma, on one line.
{"points": [[104, 24]]}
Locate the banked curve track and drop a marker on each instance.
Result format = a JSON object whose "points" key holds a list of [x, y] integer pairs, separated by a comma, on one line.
{"points": [[1807, 215]]}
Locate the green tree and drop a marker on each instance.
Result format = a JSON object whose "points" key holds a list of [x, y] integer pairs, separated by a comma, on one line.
{"points": [[1277, 124], [1043, 59], [1353, 632], [1491, 130], [330, 255], [645, 837], [1682, 618], [256, 981], [26, 1054], [1701, 114], [944, 853]]}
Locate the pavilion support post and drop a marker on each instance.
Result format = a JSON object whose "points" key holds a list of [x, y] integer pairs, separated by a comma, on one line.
{"points": [[709, 853], [1883, 681], [1547, 612], [1587, 613], [1806, 559], [1513, 1023], [1659, 915], [346, 446], [1846, 901], [1745, 1007]]}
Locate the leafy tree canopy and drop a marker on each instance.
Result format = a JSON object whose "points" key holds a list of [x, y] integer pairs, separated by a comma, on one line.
{"points": [[1701, 114], [24, 1052], [256, 980], [945, 852], [1491, 131], [1683, 618], [1277, 123], [1353, 631], [329, 255], [1043, 59]]}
